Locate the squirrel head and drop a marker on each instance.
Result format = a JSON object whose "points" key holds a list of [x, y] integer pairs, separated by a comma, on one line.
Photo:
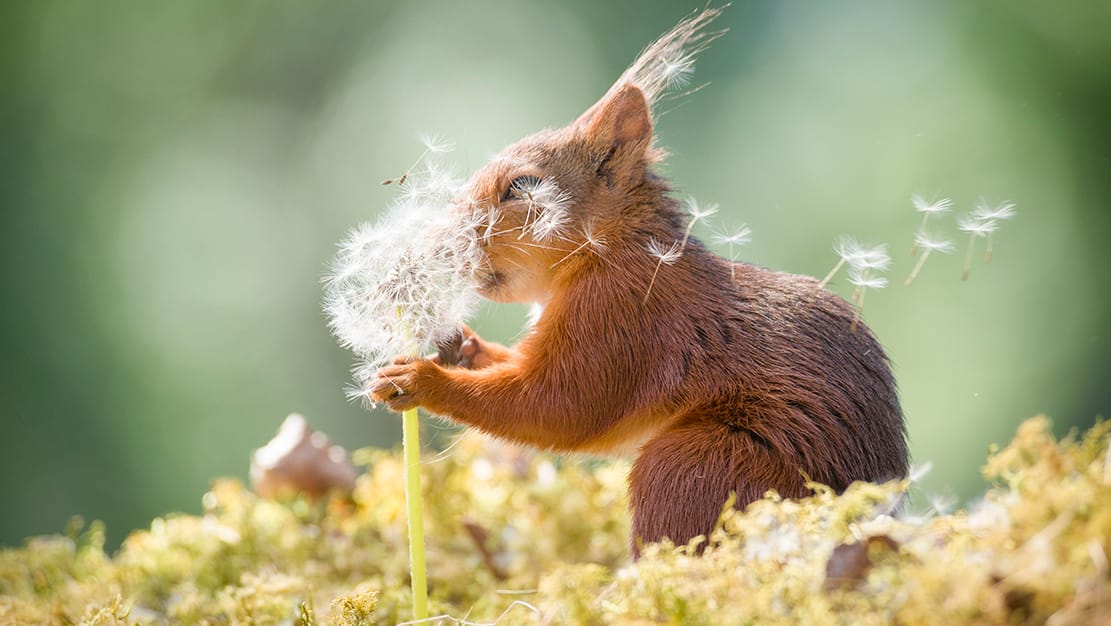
{"points": [[551, 204], [550, 201]]}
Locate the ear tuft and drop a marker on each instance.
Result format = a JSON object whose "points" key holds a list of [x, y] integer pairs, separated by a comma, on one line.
{"points": [[622, 117]]}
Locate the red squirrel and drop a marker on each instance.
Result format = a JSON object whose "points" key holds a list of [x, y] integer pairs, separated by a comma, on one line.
{"points": [[720, 377]]}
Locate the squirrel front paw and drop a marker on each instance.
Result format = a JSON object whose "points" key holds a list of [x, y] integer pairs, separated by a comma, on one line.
{"points": [[405, 384], [467, 350]]}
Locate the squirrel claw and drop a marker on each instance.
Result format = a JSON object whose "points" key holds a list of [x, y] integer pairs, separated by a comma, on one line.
{"points": [[400, 386]]}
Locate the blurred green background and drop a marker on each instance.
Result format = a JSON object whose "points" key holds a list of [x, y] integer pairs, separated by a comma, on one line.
{"points": [[175, 176]]}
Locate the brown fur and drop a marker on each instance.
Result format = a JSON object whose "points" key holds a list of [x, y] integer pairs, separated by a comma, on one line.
{"points": [[726, 378]]}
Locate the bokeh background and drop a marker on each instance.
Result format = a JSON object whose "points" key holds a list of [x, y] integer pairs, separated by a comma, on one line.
{"points": [[174, 177]]}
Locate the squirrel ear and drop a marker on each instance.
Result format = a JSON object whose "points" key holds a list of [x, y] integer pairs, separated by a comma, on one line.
{"points": [[619, 118]]}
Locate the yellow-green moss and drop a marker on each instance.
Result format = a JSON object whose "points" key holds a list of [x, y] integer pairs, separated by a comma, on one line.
{"points": [[522, 538]]}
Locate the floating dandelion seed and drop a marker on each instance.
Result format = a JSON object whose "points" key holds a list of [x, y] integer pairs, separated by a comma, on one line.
{"points": [[677, 72], [984, 213], [864, 264], [918, 472], [432, 144], [975, 227], [671, 255], [668, 62], [739, 237], [436, 143], [942, 504], [850, 251], [665, 256], [874, 258], [697, 213], [864, 279], [486, 218], [595, 242], [928, 244], [927, 209], [546, 203]]}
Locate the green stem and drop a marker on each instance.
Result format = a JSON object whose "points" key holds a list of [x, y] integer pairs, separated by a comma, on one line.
{"points": [[410, 443]]}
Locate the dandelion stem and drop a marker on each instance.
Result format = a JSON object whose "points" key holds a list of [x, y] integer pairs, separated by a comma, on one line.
{"points": [[410, 448], [653, 281], [410, 432], [987, 253], [917, 267], [968, 257], [832, 273]]}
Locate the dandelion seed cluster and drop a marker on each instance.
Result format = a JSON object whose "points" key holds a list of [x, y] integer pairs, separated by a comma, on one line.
{"points": [[865, 263], [407, 282], [982, 222]]}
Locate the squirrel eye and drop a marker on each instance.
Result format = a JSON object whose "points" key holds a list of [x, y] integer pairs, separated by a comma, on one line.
{"points": [[521, 184]]}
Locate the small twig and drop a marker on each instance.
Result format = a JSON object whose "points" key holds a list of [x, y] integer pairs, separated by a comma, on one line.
{"points": [[479, 535]]}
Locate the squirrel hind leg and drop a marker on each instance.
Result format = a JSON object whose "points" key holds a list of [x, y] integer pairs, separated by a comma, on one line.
{"points": [[683, 477]]}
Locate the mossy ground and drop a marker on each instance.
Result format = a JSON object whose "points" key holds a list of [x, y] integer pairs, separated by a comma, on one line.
{"points": [[519, 538]]}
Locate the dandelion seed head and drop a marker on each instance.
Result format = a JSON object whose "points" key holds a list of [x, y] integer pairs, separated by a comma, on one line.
{"points": [[666, 255], [975, 226], [407, 282], [934, 244], [939, 207], [1002, 211]]}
